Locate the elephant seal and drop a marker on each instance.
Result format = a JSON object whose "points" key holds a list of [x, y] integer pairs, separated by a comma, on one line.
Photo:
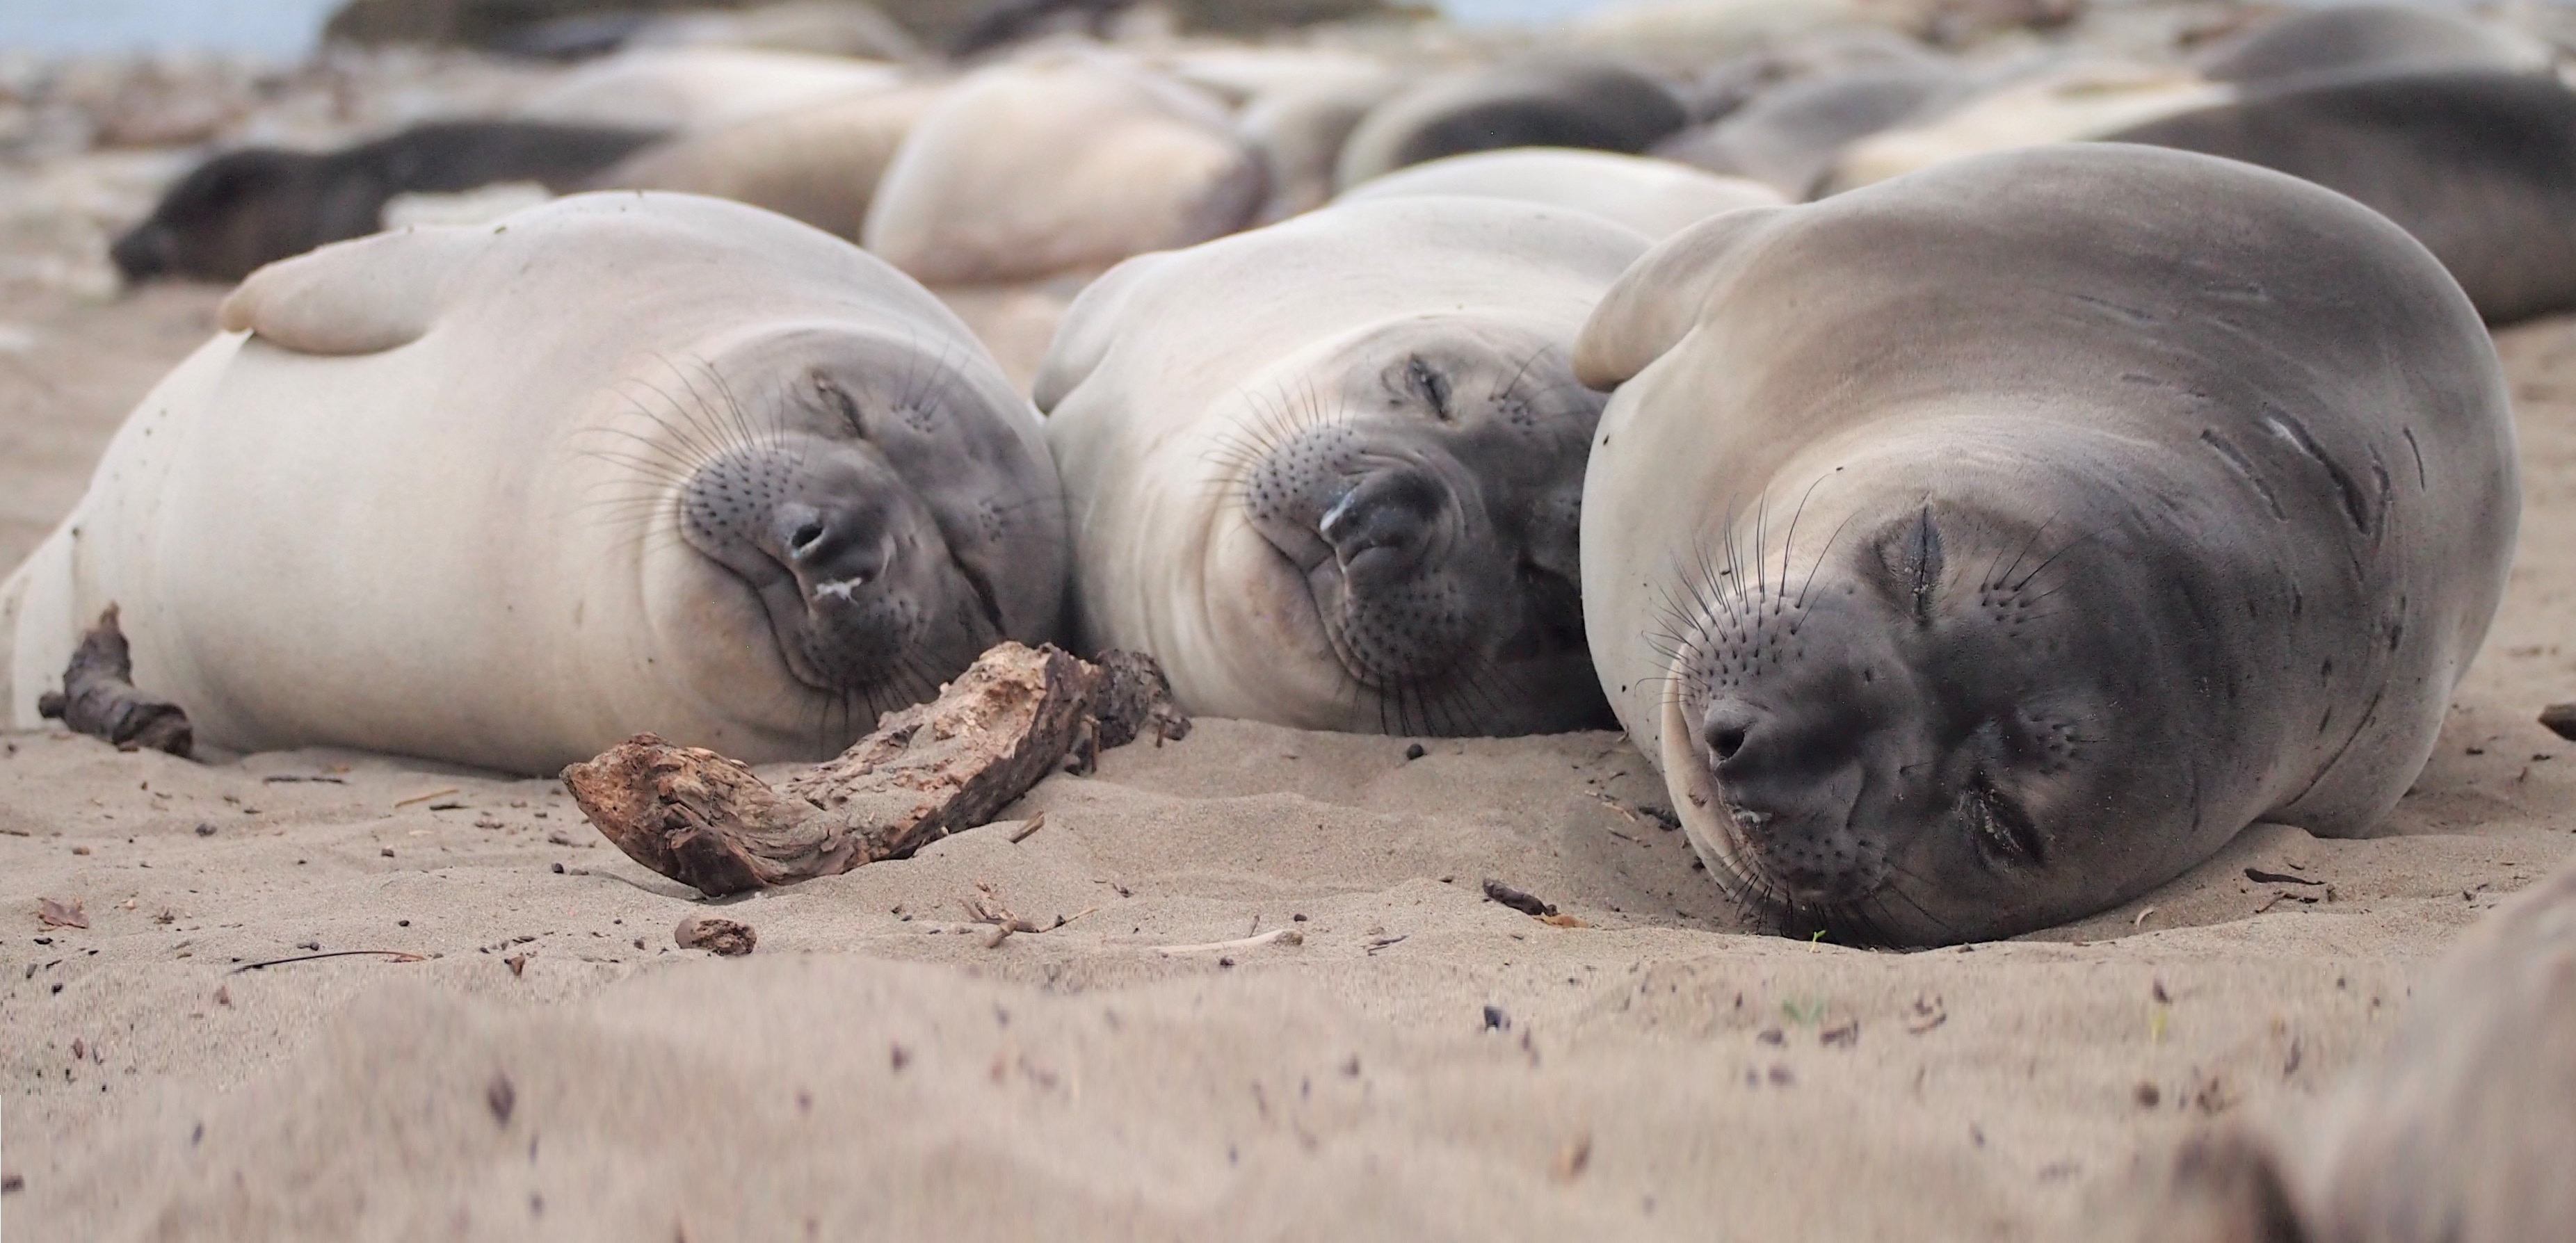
{"points": [[1655, 197], [2479, 165], [2380, 37], [1299, 129], [1328, 471], [1131, 161], [820, 163], [2061, 103], [245, 208], [1790, 136], [2456, 1134], [699, 88], [1596, 104], [1977, 550], [506, 495]]}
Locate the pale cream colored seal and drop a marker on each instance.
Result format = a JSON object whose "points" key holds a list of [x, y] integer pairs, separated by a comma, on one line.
{"points": [[1069, 160], [505, 495], [1655, 197], [1327, 471]]}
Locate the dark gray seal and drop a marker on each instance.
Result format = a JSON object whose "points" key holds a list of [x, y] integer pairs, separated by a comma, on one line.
{"points": [[1790, 136], [1978, 549], [1598, 105], [2369, 36], [2479, 165], [245, 208]]}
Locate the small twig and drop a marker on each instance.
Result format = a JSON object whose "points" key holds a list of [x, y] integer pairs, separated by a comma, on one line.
{"points": [[394, 955], [1284, 936], [423, 798], [1022, 833], [2141, 920]]}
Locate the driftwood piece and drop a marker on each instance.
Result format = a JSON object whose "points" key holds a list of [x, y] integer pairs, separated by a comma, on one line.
{"points": [[926, 771], [99, 699]]}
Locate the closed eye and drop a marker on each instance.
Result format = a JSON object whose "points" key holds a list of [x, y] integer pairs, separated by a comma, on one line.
{"points": [[2004, 832], [1432, 387]]}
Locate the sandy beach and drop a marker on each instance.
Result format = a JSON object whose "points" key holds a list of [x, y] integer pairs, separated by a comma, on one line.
{"points": [[332, 996]]}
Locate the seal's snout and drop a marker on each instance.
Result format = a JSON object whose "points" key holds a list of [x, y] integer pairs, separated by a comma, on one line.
{"points": [[1790, 795], [146, 252], [833, 551], [1384, 526]]}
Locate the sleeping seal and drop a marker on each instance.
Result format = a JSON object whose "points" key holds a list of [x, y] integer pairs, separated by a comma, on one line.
{"points": [[1328, 472], [2479, 165], [505, 495], [2458, 1133], [1064, 161], [244, 208], [1655, 197], [1975, 551], [2381, 37], [819, 163], [1600, 105]]}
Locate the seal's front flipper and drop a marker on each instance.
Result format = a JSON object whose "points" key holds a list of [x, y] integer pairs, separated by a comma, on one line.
{"points": [[1658, 300], [355, 297]]}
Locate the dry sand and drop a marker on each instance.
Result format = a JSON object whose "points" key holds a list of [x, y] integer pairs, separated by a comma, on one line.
{"points": [[1424, 1064]]}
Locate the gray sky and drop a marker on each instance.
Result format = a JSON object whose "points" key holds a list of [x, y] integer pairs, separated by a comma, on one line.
{"points": [[284, 29]]}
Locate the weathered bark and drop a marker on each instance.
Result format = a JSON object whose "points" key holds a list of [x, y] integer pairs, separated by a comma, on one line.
{"points": [[99, 699], [926, 772]]}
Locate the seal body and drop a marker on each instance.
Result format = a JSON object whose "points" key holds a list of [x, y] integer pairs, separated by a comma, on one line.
{"points": [[698, 88], [1601, 105], [2377, 37], [1328, 472], [2479, 165], [1969, 561], [244, 208], [819, 163], [1790, 136], [1655, 197], [506, 495], [1065, 161], [2063, 103]]}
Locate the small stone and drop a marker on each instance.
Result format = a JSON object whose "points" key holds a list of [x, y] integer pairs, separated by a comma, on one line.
{"points": [[1413, 752], [2148, 1096], [724, 937], [205, 828]]}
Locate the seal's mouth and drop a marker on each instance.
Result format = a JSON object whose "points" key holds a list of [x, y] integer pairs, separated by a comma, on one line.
{"points": [[860, 593]]}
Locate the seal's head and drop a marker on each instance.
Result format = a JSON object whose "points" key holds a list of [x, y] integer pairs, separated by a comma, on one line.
{"points": [[239, 210], [1941, 721], [882, 514], [1419, 485]]}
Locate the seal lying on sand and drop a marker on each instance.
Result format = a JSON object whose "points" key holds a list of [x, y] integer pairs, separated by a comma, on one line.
{"points": [[2479, 165], [245, 208], [1978, 550], [1327, 472], [2382, 37], [819, 163], [2458, 1134], [1066, 161], [506, 495], [1598, 105], [1654, 197]]}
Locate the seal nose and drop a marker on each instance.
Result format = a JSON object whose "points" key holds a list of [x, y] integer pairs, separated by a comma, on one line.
{"points": [[1727, 729], [1383, 525], [832, 551]]}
